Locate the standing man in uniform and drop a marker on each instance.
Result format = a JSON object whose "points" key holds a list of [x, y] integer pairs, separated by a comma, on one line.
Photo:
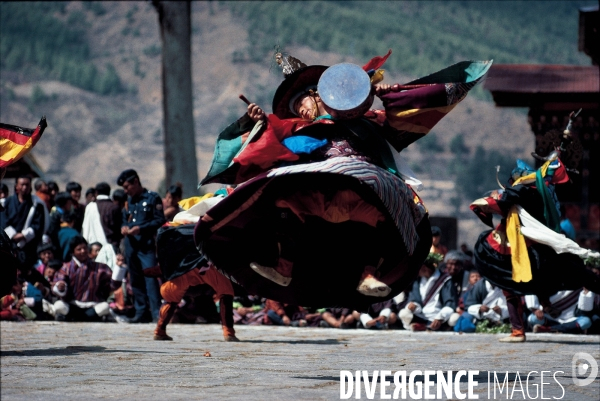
{"points": [[142, 216]]}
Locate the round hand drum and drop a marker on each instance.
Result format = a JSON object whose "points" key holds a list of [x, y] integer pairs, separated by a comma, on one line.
{"points": [[345, 89]]}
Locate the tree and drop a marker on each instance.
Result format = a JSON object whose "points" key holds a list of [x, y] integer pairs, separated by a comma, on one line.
{"points": [[457, 145], [429, 143], [477, 175], [174, 18]]}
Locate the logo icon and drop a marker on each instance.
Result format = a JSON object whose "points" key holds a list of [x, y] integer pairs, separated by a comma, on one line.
{"points": [[582, 364]]}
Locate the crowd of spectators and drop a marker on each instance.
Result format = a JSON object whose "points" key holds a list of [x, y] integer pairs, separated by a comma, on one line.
{"points": [[86, 261]]}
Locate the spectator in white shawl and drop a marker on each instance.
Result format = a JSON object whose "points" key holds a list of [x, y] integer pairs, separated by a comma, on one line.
{"points": [[487, 302], [432, 300], [565, 314]]}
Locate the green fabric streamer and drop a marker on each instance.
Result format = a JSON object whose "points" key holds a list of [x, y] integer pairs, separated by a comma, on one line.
{"points": [[550, 213]]}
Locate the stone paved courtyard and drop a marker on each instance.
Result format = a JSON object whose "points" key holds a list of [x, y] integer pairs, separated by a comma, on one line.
{"points": [[98, 361]]}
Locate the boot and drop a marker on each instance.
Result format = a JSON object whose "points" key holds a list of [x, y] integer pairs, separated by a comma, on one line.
{"points": [[514, 304], [226, 312], [167, 310], [280, 274], [517, 336], [370, 286]]}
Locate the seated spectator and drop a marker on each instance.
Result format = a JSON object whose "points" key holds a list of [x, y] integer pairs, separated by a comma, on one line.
{"points": [[594, 314], [52, 191], [171, 202], [281, 314], [51, 269], [486, 302], [464, 248], [474, 278], [90, 195], [121, 300], [66, 233], [436, 246], [45, 254], [74, 189], [248, 309], [379, 315], [432, 299], [399, 302], [63, 204], [565, 314], [454, 265], [35, 296], [82, 287], [3, 193], [94, 248], [340, 318], [13, 306]]}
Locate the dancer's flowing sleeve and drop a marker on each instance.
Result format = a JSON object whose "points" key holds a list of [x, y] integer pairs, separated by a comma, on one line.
{"points": [[413, 112]]}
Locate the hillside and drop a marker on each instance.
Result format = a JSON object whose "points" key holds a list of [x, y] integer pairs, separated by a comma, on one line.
{"points": [[95, 131]]}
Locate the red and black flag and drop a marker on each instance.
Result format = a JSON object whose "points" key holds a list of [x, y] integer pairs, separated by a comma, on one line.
{"points": [[15, 141]]}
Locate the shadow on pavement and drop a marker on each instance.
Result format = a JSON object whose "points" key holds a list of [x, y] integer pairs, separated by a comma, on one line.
{"points": [[558, 341], [69, 350], [329, 341]]}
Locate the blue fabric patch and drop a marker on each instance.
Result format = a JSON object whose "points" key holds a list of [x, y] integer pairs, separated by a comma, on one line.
{"points": [[465, 324], [303, 144], [34, 292]]}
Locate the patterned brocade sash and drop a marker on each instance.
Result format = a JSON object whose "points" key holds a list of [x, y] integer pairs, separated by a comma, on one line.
{"points": [[568, 301], [436, 287]]}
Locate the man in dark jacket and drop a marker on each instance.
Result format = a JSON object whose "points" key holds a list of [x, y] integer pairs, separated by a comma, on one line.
{"points": [[141, 218], [110, 215], [24, 222]]}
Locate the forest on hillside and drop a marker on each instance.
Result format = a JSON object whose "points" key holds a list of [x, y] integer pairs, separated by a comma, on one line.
{"points": [[42, 40], [425, 35]]}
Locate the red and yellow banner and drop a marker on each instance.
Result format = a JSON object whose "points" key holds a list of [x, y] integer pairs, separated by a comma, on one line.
{"points": [[15, 141]]}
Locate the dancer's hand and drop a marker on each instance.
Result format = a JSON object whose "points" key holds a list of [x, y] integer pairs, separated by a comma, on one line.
{"points": [[255, 112], [382, 89]]}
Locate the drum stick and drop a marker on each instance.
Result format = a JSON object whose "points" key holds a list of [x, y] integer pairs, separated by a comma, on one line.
{"points": [[414, 86], [244, 99], [263, 117]]}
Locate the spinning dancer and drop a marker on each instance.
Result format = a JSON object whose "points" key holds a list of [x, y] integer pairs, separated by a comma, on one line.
{"points": [[525, 254], [324, 212]]}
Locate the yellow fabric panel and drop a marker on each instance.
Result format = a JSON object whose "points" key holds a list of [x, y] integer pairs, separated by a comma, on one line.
{"points": [[530, 178], [377, 77], [11, 150], [521, 266], [395, 119], [189, 202]]}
